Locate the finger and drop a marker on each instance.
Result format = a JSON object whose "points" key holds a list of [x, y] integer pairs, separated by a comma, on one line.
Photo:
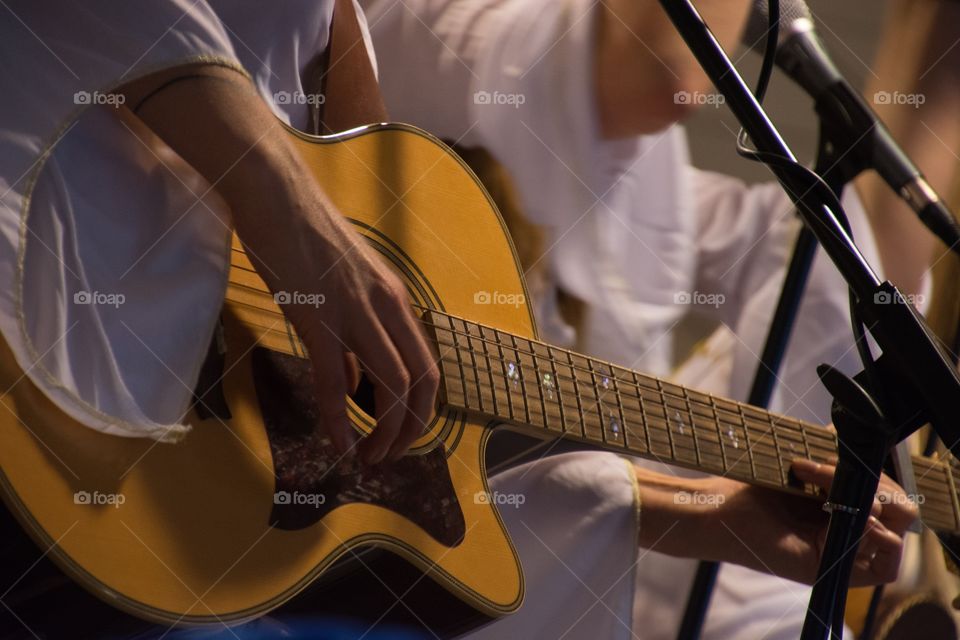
{"points": [[391, 382], [820, 475], [330, 382], [899, 510], [352, 371], [867, 550], [881, 562], [407, 334]]}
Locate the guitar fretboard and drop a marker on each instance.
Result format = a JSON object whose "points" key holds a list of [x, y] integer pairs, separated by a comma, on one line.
{"points": [[560, 393]]}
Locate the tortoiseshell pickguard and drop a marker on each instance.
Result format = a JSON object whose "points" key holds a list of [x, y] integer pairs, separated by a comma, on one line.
{"points": [[312, 479]]}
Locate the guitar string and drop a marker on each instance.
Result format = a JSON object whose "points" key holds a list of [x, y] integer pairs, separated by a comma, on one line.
{"points": [[824, 449], [745, 424], [826, 446], [679, 447], [827, 443], [783, 421]]}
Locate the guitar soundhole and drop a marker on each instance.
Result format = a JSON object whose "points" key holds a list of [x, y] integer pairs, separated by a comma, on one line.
{"points": [[313, 479]]}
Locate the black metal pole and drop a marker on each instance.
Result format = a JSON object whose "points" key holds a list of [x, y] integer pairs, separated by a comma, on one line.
{"points": [[917, 373], [764, 381]]}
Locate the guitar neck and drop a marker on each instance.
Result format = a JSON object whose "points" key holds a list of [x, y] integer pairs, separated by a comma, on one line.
{"points": [[554, 392]]}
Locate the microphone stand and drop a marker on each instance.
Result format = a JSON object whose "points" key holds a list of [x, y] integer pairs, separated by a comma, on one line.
{"points": [[911, 383], [842, 154]]}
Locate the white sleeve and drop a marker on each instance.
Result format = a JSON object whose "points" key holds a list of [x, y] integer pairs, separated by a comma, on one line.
{"points": [[574, 519], [114, 251], [744, 234]]}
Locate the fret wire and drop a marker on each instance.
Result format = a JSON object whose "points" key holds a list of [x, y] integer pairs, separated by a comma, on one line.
{"points": [[745, 456], [666, 413], [933, 487], [599, 402], [556, 378], [646, 431], [720, 438], [493, 386], [473, 366], [539, 378], [763, 451], [523, 386], [592, 417], [620, 407], [709, 442], [576, 393], [458, 363], [746, 435], [819, 437], [673, 414], [515, 382], [541, 385], [693, 427], [929, 466], [553, 387], [818, 452], [776, 445], [948, 473], [608, 396], [463, 377], [503, 370]]}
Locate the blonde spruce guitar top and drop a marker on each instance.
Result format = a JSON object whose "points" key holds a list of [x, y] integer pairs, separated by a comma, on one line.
{"points": [[250, 509]]}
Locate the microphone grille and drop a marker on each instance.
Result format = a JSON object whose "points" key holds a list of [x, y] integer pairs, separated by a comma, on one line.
{"points": [[755, 34]]}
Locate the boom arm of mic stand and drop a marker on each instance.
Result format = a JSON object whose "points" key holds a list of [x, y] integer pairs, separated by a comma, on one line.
{"points": [[925, 377], [898, 329]]}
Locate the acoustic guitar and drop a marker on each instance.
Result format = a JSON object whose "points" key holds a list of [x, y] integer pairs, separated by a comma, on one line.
{"points": [[254, 505]]}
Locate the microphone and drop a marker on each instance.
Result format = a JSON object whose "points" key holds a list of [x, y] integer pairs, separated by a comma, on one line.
{"points": [[801, 55]]}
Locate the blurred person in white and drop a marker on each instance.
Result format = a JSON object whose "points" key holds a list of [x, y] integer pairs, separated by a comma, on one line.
{"points": [[576, 99], [101, 195]]}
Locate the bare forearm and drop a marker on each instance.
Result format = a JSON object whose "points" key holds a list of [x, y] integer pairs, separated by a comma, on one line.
{"points": [[673, 512], [641, 62], [214, 119]]}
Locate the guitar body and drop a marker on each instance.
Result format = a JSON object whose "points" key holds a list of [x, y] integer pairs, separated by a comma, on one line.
{"points": [[250, 509]]}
